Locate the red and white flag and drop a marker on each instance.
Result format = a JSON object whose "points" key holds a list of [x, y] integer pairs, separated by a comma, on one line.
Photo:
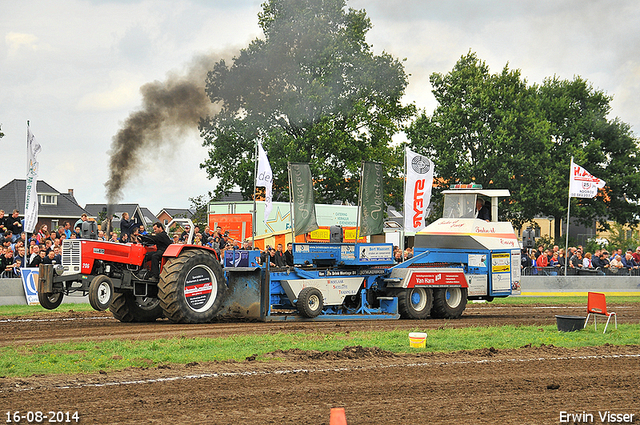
{"points": [[417, 194], [582, 184]]}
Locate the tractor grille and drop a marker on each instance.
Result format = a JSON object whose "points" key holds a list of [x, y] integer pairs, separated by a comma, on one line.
{"points": [[71, 257]]}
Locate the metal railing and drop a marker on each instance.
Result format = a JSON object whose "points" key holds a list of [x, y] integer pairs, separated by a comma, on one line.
{"points": [[559, 271]]}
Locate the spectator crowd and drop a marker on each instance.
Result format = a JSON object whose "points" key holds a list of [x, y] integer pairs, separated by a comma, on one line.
{"points": [[553, 261]]}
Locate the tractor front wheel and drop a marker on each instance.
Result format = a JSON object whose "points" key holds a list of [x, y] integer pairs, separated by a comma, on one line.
{"points": [[100, 292], [50, 300]]}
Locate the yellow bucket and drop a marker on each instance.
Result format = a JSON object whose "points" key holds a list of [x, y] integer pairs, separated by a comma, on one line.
{"points": [[417, 339]]}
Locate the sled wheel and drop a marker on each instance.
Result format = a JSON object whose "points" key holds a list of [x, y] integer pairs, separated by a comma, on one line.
{"points": [[50, 300], [415, 303], [100, 292], [449, 303], [127, 308], [191, 287], [310, 302]]}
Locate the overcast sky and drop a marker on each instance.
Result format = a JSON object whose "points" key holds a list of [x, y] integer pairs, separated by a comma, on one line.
{"points": [[74, 69]]}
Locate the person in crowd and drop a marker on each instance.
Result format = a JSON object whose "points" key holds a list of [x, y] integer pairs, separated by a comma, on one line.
{"points": [[264, 255], [142, 230], [542, 260], [628, 262], [616, 265], [101, 236], [124, 237], [49, 258], [34, 251], [272, 257], [114, 237], [539, 252], [126, 224], [161, 240], [575, 262], [553, 262], [288, 255], [246, 245], [38, 259], [81, 220], [185, 233], [3, 222], [604, 260], [408, 253], [176, 238], [279, 257], [586, 261], [67, 229], [561, 258], [134, 237], [8, 264], [595, 259], [56, 255], [15, 225], [20, 255], [43, 233], [616, 252], [77, 231]]}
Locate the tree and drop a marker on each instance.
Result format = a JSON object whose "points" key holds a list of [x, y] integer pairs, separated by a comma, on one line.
{"points": [[314, 92], [578, 127], [487, 129]]}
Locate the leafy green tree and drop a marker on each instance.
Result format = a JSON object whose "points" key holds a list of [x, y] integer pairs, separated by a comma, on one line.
{"points": [[579, 127], [314, 92], [487, 129]]}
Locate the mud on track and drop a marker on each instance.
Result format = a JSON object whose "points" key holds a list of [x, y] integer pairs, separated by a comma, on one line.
{"points": [[527, 385]]}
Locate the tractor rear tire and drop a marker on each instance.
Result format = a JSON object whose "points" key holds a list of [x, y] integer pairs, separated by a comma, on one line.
{"points": [[100, 292], [128, 308], [310, 302], [50, 300], [449, 303], [415, 303], [191, 287]]}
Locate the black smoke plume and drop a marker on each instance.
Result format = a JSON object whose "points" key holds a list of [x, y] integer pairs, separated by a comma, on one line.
{"points": [[169, 108]]}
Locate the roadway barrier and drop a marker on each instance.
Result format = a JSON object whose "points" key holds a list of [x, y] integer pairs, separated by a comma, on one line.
{"points": [[12, 293]]}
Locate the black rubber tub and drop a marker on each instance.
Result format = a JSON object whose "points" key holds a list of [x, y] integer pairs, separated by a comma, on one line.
{"points": [[570, 323]]}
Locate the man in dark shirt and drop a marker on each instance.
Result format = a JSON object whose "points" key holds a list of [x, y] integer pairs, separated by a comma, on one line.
{"points": [[279, 257], [482, 210], [161, 240], [288, 255], [15, 225]]}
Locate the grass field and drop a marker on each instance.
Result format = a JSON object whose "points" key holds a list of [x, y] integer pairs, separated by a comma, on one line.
{"points": [[91, 356]]}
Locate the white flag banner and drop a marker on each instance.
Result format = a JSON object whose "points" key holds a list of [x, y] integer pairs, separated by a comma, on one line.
{"points": [[264, 178], [31, 194], [417, 194], [582, 184]]}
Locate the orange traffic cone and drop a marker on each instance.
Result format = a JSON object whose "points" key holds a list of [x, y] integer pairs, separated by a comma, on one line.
{"points": [[337, 416]]}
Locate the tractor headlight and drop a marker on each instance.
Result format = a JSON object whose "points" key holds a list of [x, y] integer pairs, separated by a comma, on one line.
{"points": [[59, 269]]}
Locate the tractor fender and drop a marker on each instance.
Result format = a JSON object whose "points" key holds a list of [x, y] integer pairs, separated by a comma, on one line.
{"points": [[174, 250]]}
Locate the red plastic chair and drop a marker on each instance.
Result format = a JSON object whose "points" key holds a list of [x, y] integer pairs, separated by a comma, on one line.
{"points": [[597, 305]]}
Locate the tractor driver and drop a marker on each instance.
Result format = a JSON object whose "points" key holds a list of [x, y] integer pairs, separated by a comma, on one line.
{"points": [[161, 240]]}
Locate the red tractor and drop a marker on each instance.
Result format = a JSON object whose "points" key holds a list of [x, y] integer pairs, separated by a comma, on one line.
{"points": [[115, 276]]}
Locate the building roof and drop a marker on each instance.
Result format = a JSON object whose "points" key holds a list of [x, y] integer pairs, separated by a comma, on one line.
{"points": [[177, 212], [12, 196], [134, 210]]}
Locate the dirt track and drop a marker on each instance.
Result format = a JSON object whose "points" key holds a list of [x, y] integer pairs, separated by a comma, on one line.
{"points": [[528, 385]]}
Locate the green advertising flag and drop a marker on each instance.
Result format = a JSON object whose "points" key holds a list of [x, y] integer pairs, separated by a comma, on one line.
{"points": [[372, 202], [304, 207]]}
